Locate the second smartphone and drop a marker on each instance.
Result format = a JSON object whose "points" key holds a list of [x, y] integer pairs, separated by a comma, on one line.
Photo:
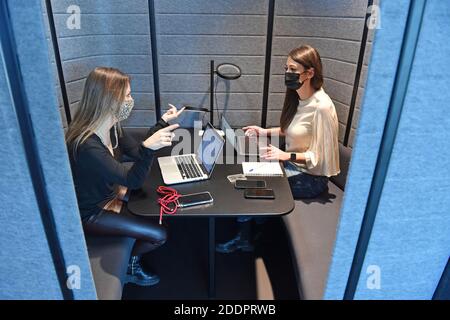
{"points": [[250, 184]]}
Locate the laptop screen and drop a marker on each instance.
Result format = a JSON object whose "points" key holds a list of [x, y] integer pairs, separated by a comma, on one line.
{"points": [[209, 149]]}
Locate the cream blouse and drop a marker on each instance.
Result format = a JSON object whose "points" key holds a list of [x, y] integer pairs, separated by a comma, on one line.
{"points": [[314, 132]]}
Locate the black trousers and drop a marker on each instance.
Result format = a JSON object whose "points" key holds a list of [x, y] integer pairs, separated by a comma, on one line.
{"points": [[148, 235]]}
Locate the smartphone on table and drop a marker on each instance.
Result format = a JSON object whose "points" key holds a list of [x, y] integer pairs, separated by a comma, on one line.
{"points": [[250, 184], [194, 199], [259, 194]]}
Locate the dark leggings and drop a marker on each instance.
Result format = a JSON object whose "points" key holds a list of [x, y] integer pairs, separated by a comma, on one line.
{"points": [[148, 235]]}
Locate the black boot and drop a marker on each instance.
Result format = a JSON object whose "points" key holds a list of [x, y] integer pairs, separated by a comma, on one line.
{"points": [[240, 242], [137, 275]]}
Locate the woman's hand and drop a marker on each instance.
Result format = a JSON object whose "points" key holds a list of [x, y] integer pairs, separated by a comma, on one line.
{"points": [[161, 138], [172, 113], [254, 130], [273, 153]]}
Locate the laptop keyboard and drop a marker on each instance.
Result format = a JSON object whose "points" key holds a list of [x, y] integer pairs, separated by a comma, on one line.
{"points": [[188, 167]]}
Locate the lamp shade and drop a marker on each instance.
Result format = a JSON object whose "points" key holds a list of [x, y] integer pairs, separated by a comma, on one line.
{"points": [[228, 71]]}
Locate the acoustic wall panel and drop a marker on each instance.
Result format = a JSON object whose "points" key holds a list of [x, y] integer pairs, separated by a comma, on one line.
{"points": [[28, 269], [27, 266], [362, 82], [112, 34], [335, 29], [381, 76], [191, 33], [410, 242]]}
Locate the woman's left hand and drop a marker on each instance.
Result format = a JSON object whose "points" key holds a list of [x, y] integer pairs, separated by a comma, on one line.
{"points": [[172, 113], [273, 153]]}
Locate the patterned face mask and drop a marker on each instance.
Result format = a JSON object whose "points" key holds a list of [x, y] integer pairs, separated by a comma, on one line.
{"points": [[125, 110]]}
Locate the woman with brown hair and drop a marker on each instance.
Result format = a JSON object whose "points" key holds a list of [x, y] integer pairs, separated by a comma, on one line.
{"points": [[310, 125], [101, 180]]}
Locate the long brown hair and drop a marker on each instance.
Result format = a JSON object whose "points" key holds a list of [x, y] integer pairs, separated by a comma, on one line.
{"points": [[104, 92], [309, 58]]}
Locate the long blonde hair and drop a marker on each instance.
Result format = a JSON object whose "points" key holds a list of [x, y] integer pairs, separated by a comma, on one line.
{"points": [[104, 92]]}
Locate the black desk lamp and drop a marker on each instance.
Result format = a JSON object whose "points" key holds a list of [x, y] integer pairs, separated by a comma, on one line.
{"points": [[227, 71]]}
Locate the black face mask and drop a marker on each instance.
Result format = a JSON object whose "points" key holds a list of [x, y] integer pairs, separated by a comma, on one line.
{"points": [[292, 80]]}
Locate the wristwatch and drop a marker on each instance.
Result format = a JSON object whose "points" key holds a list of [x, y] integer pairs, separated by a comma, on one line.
{"points": [[293, 156]]}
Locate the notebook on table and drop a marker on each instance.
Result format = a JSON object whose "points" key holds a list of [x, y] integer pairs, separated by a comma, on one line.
{"points": [[262, 169]]}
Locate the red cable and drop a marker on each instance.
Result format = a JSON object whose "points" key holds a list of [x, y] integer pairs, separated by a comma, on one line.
{"points": [[168, 201]]}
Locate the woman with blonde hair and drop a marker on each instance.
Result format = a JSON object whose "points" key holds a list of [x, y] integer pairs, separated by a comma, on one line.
{"points": [[310, 125], [101, 180]]}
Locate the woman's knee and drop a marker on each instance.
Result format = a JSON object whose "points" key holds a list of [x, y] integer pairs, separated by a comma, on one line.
{"points": [[156, 234], [161, 237], [296, 185]]}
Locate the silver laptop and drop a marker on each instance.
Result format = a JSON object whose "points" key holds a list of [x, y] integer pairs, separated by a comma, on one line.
{"points": [[244, 145], [193, 167]]}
